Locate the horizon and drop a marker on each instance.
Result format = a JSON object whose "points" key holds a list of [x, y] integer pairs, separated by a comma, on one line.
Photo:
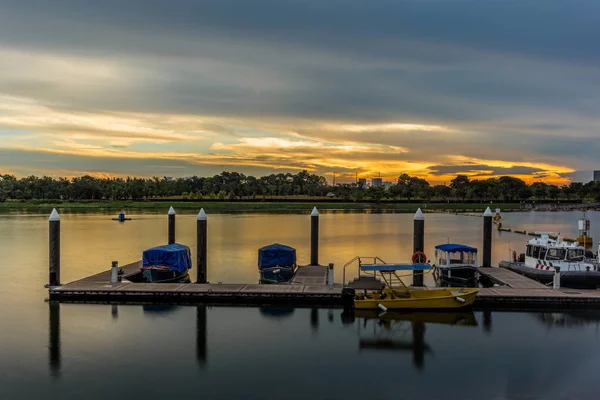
{"points": [[431, 88]]}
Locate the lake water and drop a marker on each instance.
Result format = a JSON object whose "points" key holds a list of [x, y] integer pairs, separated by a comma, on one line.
{"points": [[72, 351]]}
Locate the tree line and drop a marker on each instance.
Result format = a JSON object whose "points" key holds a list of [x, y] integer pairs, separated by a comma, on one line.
{"points": [[234, 185]]}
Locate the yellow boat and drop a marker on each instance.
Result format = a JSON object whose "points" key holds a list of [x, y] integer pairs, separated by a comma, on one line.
{"points": [[402, 297], [442, 298]]}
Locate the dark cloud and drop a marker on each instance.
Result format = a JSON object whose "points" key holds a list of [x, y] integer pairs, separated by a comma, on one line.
{"points": [[483, 170]]}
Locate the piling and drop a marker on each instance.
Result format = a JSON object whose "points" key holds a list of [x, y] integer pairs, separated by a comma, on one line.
{"points": [[171, 225], [54, 240], [201, 240], [556, 278], [114, 272], [418, 243], [314, 237], [487, 238]]}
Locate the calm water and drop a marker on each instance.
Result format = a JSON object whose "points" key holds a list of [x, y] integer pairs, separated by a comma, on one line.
{"points": [[99, 351]]}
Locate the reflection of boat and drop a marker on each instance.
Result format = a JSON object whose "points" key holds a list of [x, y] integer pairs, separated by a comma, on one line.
{"points": [[569, 319], [158, 309], [544, 255], [402, 297], [276, 312], [463, 318], [457, 264], [121, 217], [169, 263], [276, 263]]}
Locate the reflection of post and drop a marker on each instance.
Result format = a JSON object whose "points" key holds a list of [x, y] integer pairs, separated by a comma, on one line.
{"points": [[115, 311], [54, 338], [418, 331], [201, 334], [314, 319], [487, 321]]}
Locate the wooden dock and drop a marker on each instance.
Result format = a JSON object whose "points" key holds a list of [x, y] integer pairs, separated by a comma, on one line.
{"points": [[307, 287]]}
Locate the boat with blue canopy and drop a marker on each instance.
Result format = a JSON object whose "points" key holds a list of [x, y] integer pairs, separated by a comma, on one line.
{"points": [[276, 263], [456, 264], [168, 263]]}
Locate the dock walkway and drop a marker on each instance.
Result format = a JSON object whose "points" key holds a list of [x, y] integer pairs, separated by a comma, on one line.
{"points": [[503, 276]]}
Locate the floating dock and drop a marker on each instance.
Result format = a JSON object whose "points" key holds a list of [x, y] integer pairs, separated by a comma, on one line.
{"points": [[308, 287]]}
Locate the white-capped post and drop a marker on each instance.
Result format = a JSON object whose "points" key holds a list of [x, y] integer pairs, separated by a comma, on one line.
{"points": [[171, 234], [418, 243], [314, 237], [487, 238], [54, 241], [201, 245]]}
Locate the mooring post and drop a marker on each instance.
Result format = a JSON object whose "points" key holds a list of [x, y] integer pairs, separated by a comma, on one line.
{"points": [[487, 238], [330, 275], [171, 225], [114, 272], [54, 238], [314, 237], [556, 278], [201, 239], [418, 243]]}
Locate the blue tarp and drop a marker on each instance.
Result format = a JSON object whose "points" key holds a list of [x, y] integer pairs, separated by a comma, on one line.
{"points": [[276, 255], [394, 267], [452, 248], [175, 256]]}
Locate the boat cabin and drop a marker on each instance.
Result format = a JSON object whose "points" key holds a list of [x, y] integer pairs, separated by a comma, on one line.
{"points": [[544, 251], [449, 254]]}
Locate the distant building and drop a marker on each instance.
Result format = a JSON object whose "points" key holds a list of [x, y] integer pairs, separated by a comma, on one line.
{"points": [[597, 175], [362, 182], [330, 194], [387, 184], [376, 182]]}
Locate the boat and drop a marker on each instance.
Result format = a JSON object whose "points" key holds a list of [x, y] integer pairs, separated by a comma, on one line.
{"points": [[545, 255], [276, 263], [168, 263], [403, 297], [456, 264], [583, 226], [121, 217]]}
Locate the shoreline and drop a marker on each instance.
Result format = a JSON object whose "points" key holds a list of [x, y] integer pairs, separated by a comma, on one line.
{"points": [[248, 206]]}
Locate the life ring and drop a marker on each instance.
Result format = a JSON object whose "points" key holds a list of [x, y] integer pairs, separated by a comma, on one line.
{"points": [[419, 258], [514, 256]]}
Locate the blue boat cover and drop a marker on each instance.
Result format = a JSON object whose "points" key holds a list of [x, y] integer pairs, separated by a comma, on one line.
{"points": [[175, 256], [276, 255], [452, 248], [394, 267]]}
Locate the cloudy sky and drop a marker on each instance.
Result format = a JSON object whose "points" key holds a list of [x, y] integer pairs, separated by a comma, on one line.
{"points": [[188, 87]]}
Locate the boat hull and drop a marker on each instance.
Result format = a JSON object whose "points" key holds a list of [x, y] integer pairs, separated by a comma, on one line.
{"points": [[568, 279], [418, 299], [276, 274], [465, 277]]}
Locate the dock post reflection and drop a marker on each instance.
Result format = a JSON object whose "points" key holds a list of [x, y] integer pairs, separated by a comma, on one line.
{"points": [[418, 332], [54, 338], [314, 319], [487, 322], [201, 350], [114, 311]]}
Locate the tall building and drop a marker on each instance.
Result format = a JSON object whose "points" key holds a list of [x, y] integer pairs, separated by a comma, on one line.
{"points": [[597, 175], [362, 182], [376, 182]]}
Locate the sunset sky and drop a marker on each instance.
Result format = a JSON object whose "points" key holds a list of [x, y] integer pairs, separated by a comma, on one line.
{"points": [[176, 88]]}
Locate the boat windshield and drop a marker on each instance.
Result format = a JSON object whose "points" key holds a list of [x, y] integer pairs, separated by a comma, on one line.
{"points": [[575, 254], [556, 254], [462, 258]]}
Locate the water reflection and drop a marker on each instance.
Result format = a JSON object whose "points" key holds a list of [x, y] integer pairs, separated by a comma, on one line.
{"points": [[570, 319], [201, 348], [487, 322], [54, 338], [398, 331], [314, 319], [277, 312], [114, 311]]}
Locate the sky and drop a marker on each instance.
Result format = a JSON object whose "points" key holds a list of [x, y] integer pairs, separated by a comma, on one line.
{"points": [[432, 88]]}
